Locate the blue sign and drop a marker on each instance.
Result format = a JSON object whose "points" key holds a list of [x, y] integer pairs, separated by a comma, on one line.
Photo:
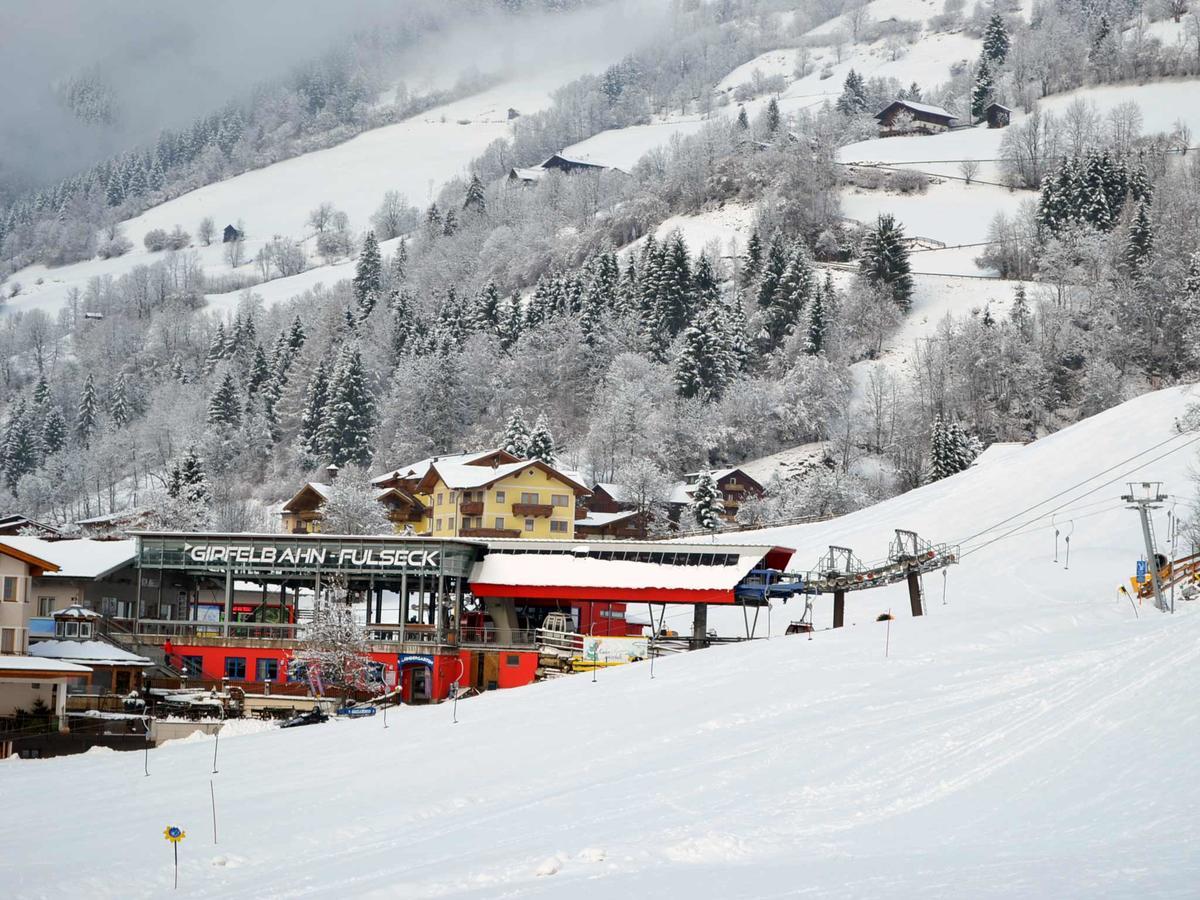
{"points": [[414, 659], [1141, 570], [356, 712]]}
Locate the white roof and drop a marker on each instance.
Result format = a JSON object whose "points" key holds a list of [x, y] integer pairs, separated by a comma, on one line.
{"points": [[113, 518], [94, 652], [78, 558], [618, 492], [533, 174], [76, 612], [599, 519], [417, 470], [37, 664], [567, 570], [923, 107], [458, 476]]}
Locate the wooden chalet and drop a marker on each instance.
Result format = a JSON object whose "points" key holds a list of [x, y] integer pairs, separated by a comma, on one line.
{"points": [[910, 117], [16, 523], [734, 484], [997, 115]]}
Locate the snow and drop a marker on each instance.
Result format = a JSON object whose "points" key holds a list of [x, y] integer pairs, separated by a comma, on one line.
{"points": [[1030, 737], [600, 519], [96, 652], [77, 558], [37, 664], [621, 148], [569, 571], [949, 212], [1162, 102]]}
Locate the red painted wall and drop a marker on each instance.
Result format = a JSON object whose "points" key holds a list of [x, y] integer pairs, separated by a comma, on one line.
{"points": [[519, 675]]}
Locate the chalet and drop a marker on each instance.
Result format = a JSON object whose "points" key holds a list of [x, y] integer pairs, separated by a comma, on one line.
{"points": [[734, 484], [303, 512], [997, 116], [18, 569], [608, 497], [910, 117], [522, 499], [409, 476], [626, 524], [230, 234], [116, 524], [16, 524], [557, 163]]}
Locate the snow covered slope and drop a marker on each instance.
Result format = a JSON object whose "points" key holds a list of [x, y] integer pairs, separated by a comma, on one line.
{"points": [[1031, 738]]}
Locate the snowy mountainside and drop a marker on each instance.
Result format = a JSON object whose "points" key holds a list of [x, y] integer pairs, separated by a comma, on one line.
{"points": [[1030, 738]]}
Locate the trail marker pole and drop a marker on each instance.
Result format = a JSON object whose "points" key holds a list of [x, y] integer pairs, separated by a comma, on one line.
{"points": [[146, 760], [887, 643], [213, 794], [216, 744], [650, 650], [175, 834]]}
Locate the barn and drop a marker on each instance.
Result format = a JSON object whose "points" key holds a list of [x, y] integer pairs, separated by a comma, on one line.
{"points": [[910, 117]]}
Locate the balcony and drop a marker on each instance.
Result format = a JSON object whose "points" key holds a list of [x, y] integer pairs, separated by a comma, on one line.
{"points": [[544, 510], [489, 532], [471, 507]]}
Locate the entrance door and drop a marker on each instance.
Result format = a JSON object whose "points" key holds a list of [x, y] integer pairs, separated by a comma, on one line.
{"points": [[420, 684], [491, 671]]}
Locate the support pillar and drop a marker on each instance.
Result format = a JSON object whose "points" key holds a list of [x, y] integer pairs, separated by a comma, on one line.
{"points": [[403, 604], [700, 626], [839, 609], [60, 706], [914, 594], [228, 600]]}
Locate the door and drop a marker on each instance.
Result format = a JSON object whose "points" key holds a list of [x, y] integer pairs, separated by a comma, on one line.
{"points": [[491, 671]]}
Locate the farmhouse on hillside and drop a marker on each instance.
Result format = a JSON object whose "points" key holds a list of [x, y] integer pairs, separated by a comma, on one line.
{"points": [[910, 117]]}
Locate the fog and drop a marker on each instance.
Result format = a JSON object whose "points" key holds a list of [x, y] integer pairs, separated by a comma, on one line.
{"points": [[161, 64]]}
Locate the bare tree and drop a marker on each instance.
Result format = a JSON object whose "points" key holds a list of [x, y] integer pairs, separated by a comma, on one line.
{"points": [[322, 217], [969, 169], [205, 231]]}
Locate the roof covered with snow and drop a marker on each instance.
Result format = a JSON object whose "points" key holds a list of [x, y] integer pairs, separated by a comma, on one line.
{"points": [[92, 652], [457, 476], [416, 471], [619, 492], [38, 664], [78, 558], [600, 519], [925, 108]]}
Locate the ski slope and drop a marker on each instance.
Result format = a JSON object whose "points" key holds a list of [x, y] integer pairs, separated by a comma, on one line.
{"points": [[1029, 738]]}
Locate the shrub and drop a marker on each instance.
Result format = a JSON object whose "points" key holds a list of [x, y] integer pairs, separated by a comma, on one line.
{"points": [[155, 240]]}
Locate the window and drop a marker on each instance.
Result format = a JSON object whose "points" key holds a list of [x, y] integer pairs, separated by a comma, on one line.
{"points": [[266, 670], [499, 496], [450, 523], [8, 640], [235, 668], [558, 525], [8, 588], [71, 629], [85, 629], [437, 525], [439, 499], [45, 606], [512, 659], [529, 497], [529, 524], [192, 666], [559, 500], [499, 521]]}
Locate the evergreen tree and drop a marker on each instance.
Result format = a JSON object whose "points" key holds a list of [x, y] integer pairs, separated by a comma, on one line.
{"points": [[772, 117], [981, 94], [1140, 243], [703, 365], [1020, 314], [193, 483], [773, 271], [541, 442], [21, 445], [260, 371], [516, 435], [450, 225], [216, 349], [41, 393], [400, 262], [54, 431], [995, 40], [476, 199], [707, 503], [817, 325], [86, 419], [315, 401], [118, 404], [853, 99], [675, 284], [224, 407], [433, 220], [296, 335], [884, 262], [789, 299], [350, 413], [941, 463], [753, 260], [743, 121], [488, 306], [368, 275]]}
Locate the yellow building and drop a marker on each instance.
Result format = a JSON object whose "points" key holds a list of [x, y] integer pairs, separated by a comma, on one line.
{"points": [[524, 499]]}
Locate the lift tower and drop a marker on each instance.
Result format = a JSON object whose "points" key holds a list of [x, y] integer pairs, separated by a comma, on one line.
{"points": [[1145, 496]]}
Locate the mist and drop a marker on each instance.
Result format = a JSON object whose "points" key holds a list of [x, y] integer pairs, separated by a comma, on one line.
{"points": [[142, 65]]}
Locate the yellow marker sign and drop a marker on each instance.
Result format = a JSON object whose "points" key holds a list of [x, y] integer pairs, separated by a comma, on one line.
{"points": [[174, 834]]}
